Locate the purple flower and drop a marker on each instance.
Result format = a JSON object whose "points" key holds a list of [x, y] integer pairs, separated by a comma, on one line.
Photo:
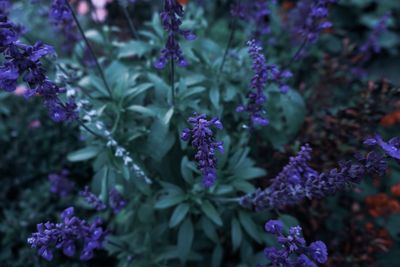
{"points": [[92, 199], [205, 145], [256, 12], [263, 72], [4, 7], [391, 148], [372, 44], [308, 19], [65, 236], [60, 184], [21, 60], [171, 21], [256, 97], [9, 33], [293, 250], [273, 227], [8, 78], [319, 251], [117, 202], [61, 17]]}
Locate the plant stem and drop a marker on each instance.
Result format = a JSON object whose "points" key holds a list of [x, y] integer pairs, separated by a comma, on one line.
{"points": [[172, 82], [89, 48], [301, 47], [228, 45], [132, 28]]}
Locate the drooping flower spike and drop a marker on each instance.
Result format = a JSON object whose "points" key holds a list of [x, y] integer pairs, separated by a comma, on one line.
{"points": [[23, 62], [203, 141], [171, 19], [67, 235], [298, 181]]}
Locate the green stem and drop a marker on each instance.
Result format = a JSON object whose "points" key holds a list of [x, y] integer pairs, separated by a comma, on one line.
{"points": [[132, 28], [173, 82], [228, 45], [89, 48]]}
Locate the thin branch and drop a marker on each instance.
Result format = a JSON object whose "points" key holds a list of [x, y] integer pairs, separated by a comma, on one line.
{"points": [[89, 48], [228, 45], [173, 82], [132, 28]]}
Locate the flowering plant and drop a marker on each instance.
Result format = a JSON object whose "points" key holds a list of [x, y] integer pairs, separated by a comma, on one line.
{"points": [[159, 150]]}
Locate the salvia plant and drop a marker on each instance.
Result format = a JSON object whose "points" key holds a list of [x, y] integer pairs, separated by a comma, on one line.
{"points": [[199, 133]]}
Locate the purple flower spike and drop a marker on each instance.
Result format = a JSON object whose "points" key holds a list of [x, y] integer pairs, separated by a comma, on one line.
{"points": [[171, 19], [65, 235], [298, 181], [92, 199], [61, 17], [24, 61], [203, 141], [372, 44], [293, 250], [117, 202], [256, 97], [60, 184], [308, 19]]}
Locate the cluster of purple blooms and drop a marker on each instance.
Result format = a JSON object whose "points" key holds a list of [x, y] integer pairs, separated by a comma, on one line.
{"points": [[391, 147], [116, 201], [293, 250], [298, 181], [66, 235], [308, 19], [263, 73], [256, 12], [21, 60], [60, 184], [372, 45], [61, 17], [171, 21], [203, 141]]}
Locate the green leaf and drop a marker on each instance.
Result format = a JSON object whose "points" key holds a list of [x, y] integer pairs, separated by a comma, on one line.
{"points": [[169, 201], [185, 239], [209, 229], [142, 110], [249, 173], [288, 220], [210, 211], [160, 140], [179, 214], [236, 234], [186, 171], [216, 258], [214, 97], [393, 226], [83, 154], [133, 48], [249, 226], [137, 90]]}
